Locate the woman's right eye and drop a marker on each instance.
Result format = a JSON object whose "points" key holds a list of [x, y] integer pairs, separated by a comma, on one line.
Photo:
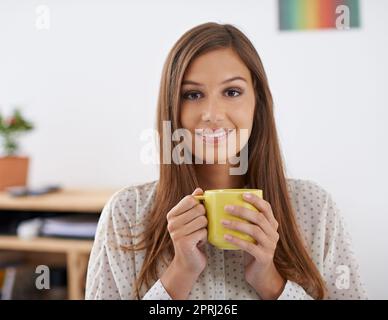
{"points": [[193, 95]]}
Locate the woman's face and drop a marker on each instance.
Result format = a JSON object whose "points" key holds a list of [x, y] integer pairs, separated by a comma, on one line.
{"points": [[217, 95]]}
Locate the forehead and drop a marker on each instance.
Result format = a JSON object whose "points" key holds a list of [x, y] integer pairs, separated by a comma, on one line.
{"points": [[216, 66]]}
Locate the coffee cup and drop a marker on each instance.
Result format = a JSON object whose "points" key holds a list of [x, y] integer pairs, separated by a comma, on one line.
{"points": [[215, 202]]}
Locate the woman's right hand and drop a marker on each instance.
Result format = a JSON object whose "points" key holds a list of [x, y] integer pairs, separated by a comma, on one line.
{"points": [[187, 224]]}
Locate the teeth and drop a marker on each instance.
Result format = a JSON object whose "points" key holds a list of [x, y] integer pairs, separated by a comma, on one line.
{"points": [[216, 134]]}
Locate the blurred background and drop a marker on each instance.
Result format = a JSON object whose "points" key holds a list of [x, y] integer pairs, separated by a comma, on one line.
{"points": [[86, 74]]}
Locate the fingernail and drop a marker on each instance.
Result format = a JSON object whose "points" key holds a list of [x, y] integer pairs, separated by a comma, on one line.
{"points": [[226, 222], [228, 237], [229, 207], [247, 195]]}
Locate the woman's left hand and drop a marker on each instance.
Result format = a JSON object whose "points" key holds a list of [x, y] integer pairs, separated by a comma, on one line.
{"points": [[260, 270]]}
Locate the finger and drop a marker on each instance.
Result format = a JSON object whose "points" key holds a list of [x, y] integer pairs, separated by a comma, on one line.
{"points": [[201, 243], [261, 205], [185, 204], [200, 236], [190, 215], [250, 229], [255, 217], [198, 223], [247, 246], [197, 191]]}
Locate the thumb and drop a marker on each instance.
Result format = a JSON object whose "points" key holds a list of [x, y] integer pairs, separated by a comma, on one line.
{"points": [[197, 191]]}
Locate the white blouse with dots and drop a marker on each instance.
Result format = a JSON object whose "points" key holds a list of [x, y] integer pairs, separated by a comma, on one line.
{"points": [[112, 269]]}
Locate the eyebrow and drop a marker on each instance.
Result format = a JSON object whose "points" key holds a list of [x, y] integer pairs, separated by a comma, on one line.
{"points": [[225, 81]]}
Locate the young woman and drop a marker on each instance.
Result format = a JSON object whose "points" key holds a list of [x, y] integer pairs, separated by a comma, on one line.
{"points": [[151, 241]]}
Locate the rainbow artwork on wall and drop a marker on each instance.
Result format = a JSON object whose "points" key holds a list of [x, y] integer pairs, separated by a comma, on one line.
{"points": [[318, 14]]}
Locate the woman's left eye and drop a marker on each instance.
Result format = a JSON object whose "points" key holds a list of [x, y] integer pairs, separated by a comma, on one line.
{"points": [[232, 92]]}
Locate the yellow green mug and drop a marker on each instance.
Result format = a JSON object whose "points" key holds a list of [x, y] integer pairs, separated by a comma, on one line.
{"points": [[215, 202]]}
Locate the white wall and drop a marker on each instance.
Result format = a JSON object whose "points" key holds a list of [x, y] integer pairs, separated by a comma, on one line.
{"points": [[90, 83]]}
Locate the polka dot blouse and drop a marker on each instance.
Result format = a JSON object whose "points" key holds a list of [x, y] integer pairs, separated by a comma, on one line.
{"points": [[112, 270]]}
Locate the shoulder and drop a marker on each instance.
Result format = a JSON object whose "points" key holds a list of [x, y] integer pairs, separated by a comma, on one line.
{"points": [[137, 196], [313, 204], [319, 219], [127, 208], [307, 190]]}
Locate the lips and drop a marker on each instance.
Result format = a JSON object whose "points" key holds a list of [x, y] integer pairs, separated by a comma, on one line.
{"points": [[213, 136]]}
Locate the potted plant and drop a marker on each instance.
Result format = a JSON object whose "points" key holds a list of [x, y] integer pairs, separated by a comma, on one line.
{"points": [[13, 167]]}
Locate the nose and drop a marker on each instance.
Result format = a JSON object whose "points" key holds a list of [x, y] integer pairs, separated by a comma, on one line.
{"points": [[213, 111]]}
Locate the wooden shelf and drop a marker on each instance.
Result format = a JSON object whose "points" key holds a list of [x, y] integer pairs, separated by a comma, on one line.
{"points": [[42, 244], [74, 200], [76, 253], [73, 252]]}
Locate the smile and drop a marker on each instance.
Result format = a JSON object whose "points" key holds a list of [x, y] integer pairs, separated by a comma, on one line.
{"points": [[213, 137]]}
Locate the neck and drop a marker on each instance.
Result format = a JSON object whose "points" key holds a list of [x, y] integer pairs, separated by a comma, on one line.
{"points": [[217, 176]]}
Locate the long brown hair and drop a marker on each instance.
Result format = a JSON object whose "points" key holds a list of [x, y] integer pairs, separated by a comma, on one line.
{"points": [[265, 165]]}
